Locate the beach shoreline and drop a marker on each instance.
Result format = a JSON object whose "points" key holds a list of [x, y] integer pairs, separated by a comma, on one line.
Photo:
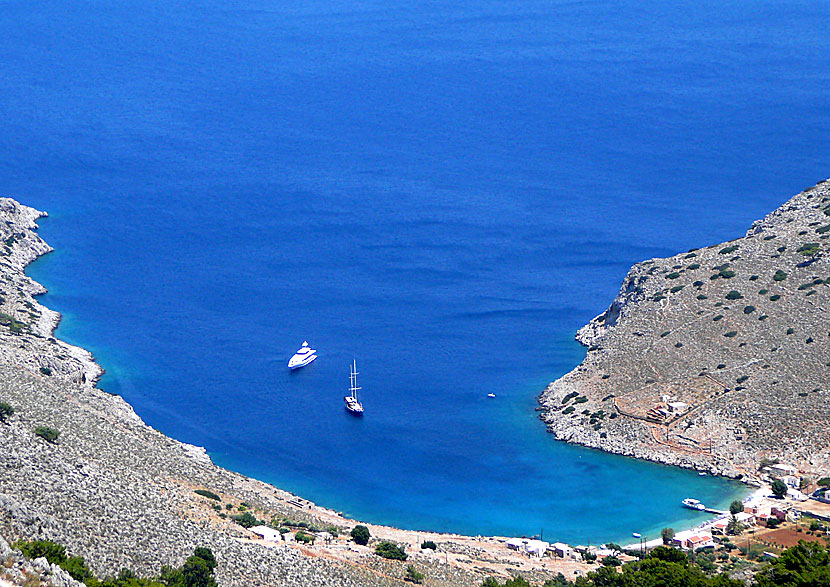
{"points": [[76, 368]]}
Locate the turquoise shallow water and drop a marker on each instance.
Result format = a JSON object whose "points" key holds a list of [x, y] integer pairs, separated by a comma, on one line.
{"points": [[444, 191]]}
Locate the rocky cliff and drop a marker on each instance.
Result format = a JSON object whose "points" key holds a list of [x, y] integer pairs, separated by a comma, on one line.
{"points": [[714, 358]]}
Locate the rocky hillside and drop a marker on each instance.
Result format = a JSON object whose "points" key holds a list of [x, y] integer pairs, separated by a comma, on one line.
{"points": [[79, 467], [714, 358]]}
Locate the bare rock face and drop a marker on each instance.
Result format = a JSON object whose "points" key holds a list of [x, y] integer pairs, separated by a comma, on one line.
{"points": [[715, 358]]}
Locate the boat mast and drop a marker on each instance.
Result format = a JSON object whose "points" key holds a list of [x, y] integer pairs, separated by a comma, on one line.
{"points": [[353, 378]]}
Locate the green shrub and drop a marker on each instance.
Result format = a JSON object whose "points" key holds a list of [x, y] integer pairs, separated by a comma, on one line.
{"points": [[698, 283], [763, 291], [301, 536], [6, 411], [413, 576], [749, 309], [779, 275], [753, 277], [731, 333], [775, 298], [742, 378], [360, 534], [52, 551], [727, 250], [769, 238], [208, 494], [677, 288], [246, 520], [718, 317], [568, 410], [665, 334], [47, 433], [808, 249], [45, 371], [658, 297], [703, 297], [428, 544], [790, 330], [390, 550], [733, 295], [726, 273], [694, 266], [693, 255], [673, 275], [581, 400]]}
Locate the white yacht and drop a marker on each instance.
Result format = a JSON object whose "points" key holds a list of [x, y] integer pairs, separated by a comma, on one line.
{"points": [[302, 357], [693, 504], [352, 403]]}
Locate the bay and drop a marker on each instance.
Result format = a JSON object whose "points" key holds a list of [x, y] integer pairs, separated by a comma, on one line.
{"points": [[443, 191]]}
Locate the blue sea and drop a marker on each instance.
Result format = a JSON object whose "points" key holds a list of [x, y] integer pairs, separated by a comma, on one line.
{"points": [[444, 191]]}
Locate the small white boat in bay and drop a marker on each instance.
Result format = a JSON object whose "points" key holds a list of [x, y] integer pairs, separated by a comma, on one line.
{"points": [[302, 357], [693, 504], [352, 403]]}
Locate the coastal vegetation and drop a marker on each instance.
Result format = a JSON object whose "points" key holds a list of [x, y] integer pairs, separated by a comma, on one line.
{"points": [[779, 488], [390, 550], [197, 571], [360, 534], [6, 411], [413, 575], [46, 433], [806, 564], [208, 494]]}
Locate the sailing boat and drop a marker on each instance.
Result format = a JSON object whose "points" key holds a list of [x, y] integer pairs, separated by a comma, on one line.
{"points": [[352, 404]]}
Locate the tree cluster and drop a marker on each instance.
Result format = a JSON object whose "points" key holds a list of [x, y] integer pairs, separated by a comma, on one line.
{"points": [[805, 565], [197, 571]]}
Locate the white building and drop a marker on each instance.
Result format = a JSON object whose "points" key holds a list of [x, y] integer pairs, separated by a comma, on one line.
{"points": [[516, 543], [561, 549], [678, 407], [267, 533], [791, 481], [779, 470], [537, 547]]}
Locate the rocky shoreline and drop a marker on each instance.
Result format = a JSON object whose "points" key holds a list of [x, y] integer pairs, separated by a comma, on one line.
{"points": [[716, 358], [122, 495]]}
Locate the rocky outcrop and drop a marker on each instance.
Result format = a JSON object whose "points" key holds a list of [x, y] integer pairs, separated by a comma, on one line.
{"points": [[18, 571], [715, 358]]}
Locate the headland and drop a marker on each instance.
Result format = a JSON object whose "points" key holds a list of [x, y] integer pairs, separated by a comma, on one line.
{"points": [[714, 359]]}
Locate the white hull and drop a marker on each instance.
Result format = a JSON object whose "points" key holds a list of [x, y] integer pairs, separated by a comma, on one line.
{"points": [[693, 504], [302, 357], [302, 362]]}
